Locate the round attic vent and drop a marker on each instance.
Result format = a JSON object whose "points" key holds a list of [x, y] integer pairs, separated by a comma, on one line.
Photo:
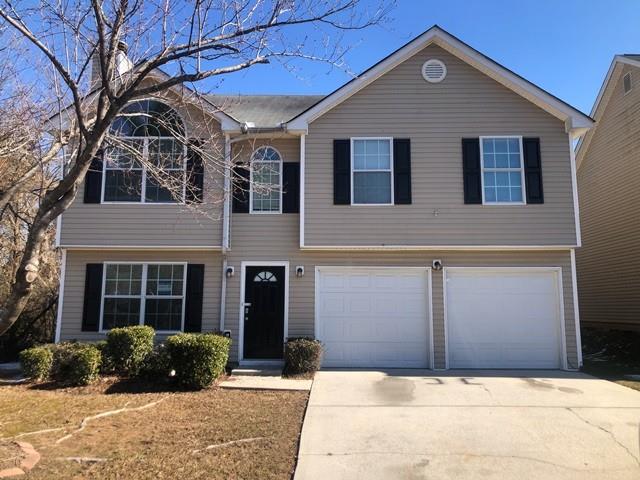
{"points": [[434, 70]]}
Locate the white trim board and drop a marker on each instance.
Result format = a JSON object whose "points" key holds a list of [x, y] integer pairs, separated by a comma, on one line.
{"points": [[303, 139], [429, 298], [178, 248], [413, 248], [243, 267], [63, 275], [561, 314], [576, 307], [573, 118]]}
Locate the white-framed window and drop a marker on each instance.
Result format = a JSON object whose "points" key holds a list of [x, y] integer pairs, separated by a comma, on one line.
{"points": [[502, 170], [143, 294], [266, 181], [145, 162], [371, 171]]}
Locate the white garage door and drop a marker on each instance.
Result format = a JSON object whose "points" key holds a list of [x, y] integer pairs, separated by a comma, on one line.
{"points": [[373, 317], [506, 318]]}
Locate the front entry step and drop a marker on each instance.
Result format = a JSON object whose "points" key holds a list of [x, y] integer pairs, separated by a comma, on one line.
{"points": [[257, 371]]}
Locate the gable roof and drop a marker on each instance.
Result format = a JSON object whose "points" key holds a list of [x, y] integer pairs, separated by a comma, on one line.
{"points": [[575, 121], [604, 94], [263, 111]]}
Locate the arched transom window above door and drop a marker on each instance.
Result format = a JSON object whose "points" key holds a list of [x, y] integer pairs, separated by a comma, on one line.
{"points": [[265, 277], [145, 159], [266, 180]]}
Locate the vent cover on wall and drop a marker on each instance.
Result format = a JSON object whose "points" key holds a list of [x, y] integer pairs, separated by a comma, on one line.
{"points": [[434, 70]]}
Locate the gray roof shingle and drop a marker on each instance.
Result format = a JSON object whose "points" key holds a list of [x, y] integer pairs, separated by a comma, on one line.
{"points": [[265, 111]]}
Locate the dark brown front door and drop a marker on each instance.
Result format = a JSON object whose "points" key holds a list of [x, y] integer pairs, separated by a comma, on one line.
{"points": [[264, 312]]}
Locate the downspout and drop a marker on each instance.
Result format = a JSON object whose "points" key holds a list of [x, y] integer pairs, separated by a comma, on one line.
{"points": [[226, 222]]}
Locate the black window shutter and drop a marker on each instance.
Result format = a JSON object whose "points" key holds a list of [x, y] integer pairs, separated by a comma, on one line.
{"points": [[93, 180], [290, 187], [402, 171], [92, 297], [342, 172], [193, 301], [195, 173], [471, 170], [533, 170], [241, 184]]}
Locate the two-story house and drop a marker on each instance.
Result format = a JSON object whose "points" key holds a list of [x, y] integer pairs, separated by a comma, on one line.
{"points": [[608, 163], [424, 215]]}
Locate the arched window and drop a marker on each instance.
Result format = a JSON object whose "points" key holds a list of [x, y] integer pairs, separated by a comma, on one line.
{"points": [[265, 277], [145, 162], [266, 180]]}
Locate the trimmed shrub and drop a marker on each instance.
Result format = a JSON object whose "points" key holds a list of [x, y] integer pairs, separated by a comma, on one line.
{"points": [[157, 365], [106, 366], [302, 356], [76, 363], [127, 348], [36, 362], [198, 358]]}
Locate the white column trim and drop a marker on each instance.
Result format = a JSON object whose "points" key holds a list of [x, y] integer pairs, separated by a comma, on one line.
{"points": [[223, 294], [576, 306], [228, 193], [63, 272], [302, 165], [574, 188]]}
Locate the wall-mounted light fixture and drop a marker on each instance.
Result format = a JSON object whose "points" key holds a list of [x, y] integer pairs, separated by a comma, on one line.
{"points": [[230, 272], [437, 265], [299, 271]]}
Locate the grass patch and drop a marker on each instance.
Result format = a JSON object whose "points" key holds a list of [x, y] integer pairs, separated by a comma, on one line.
{"points": [[159, 441]]}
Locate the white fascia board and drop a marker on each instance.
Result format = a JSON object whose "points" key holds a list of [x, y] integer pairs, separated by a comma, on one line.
{"points": [[437, 36], [117, 248], [413, 248]]}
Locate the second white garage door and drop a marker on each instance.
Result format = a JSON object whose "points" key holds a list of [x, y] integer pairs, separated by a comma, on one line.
{"points": [[503, 318], [373, 316]]}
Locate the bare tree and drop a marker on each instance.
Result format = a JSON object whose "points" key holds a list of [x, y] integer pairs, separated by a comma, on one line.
{"points": [[171, 45]]}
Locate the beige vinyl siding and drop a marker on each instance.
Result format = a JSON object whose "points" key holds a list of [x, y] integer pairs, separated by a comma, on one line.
{"points": [[608, 264], [155, 225], [281, 247], [75, 279], [436, 117]]}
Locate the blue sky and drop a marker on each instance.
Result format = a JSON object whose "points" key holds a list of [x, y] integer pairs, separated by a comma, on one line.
{"points": [[564, 46]]}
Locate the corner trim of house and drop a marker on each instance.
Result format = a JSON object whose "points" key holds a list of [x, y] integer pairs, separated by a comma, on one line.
{"points": [[63, 272], [243, 267], [574, 191], [226, 211], [576, 306], [302, 165], [223, 294], [179, 248]]}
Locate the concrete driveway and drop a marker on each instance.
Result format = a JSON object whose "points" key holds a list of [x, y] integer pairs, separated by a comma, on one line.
{"points": [[412, 424]]}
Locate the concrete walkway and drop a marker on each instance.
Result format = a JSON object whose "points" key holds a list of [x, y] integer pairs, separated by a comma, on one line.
{"points": [[413, 424]]}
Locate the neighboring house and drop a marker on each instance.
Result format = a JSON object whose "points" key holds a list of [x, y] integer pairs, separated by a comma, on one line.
{"points": [[424, 216], [608, 162]]}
